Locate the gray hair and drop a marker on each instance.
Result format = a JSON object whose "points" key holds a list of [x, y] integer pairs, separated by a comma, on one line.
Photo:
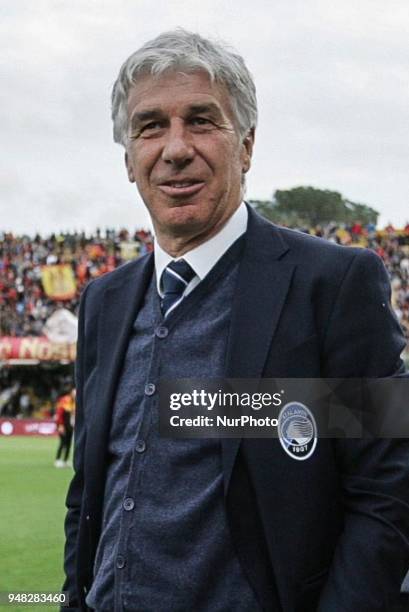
{"points": [[188, 51]]}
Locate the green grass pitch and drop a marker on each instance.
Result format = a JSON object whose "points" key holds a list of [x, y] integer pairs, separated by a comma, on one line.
{"points": [[32, 510]]}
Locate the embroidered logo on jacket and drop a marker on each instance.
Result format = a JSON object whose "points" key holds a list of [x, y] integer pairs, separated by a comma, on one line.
{"points": [[297, 431]]}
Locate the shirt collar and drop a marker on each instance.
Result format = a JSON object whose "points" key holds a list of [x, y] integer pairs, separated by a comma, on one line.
{"points": [[203, 257]]}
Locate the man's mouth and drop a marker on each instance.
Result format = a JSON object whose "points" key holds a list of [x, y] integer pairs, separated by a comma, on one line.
{"points": [[180, 188]]}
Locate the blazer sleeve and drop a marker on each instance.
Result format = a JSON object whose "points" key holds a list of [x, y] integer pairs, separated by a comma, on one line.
{"points": [[372, 555], [75, 491]]}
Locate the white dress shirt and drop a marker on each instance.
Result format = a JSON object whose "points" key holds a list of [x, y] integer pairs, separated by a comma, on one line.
{"points": [[204, 257]]}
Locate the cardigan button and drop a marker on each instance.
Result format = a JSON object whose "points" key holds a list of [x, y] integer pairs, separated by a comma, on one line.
{"points": [[161, 332], [129, 503], [140, 446], [150, 389]]}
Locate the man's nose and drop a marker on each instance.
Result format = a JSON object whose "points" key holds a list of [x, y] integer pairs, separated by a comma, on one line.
{"points": [[178, 148]]}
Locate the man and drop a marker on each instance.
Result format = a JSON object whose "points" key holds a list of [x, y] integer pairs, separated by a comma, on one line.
{"points": [[64, 417], [156, 524]]}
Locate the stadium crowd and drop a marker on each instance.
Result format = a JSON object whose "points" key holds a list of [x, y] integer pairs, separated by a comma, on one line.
{"points": [[25, 306]]}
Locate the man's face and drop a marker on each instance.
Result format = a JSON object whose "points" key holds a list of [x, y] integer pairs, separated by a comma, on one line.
{"points": [[184, 153]]}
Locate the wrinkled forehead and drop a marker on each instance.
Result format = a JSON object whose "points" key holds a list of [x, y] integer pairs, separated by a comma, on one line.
{"points": [[178, 87]]}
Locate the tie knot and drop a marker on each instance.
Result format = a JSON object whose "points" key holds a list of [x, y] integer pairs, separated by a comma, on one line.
{"points": [[175, 278], [181, 269]]}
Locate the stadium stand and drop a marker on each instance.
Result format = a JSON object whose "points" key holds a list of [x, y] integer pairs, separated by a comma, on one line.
{"points": [[24, 303]]}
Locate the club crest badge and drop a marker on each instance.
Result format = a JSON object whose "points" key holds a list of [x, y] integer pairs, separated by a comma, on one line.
{"points": [[297, 431]]}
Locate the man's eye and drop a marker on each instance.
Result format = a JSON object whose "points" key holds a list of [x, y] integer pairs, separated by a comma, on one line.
{"points": [[147, 130], [200, 121], [153, 125]]}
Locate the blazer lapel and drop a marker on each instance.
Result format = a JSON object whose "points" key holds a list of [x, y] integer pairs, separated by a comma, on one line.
{"points": [[120, 304], [262, 286]]}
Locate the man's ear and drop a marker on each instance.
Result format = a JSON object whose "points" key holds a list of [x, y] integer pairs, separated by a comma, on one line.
{"points": [[129, 168], [247, 150]]}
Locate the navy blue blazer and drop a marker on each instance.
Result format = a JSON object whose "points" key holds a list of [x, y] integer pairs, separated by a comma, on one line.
{"points": [[328, 534]]}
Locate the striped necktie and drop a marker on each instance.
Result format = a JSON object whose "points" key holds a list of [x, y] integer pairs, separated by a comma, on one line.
{"points": [[175, 278]]}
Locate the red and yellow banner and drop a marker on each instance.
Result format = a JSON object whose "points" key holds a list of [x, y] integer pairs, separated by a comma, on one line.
{"points": [[59, 281], [39, 348]]}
